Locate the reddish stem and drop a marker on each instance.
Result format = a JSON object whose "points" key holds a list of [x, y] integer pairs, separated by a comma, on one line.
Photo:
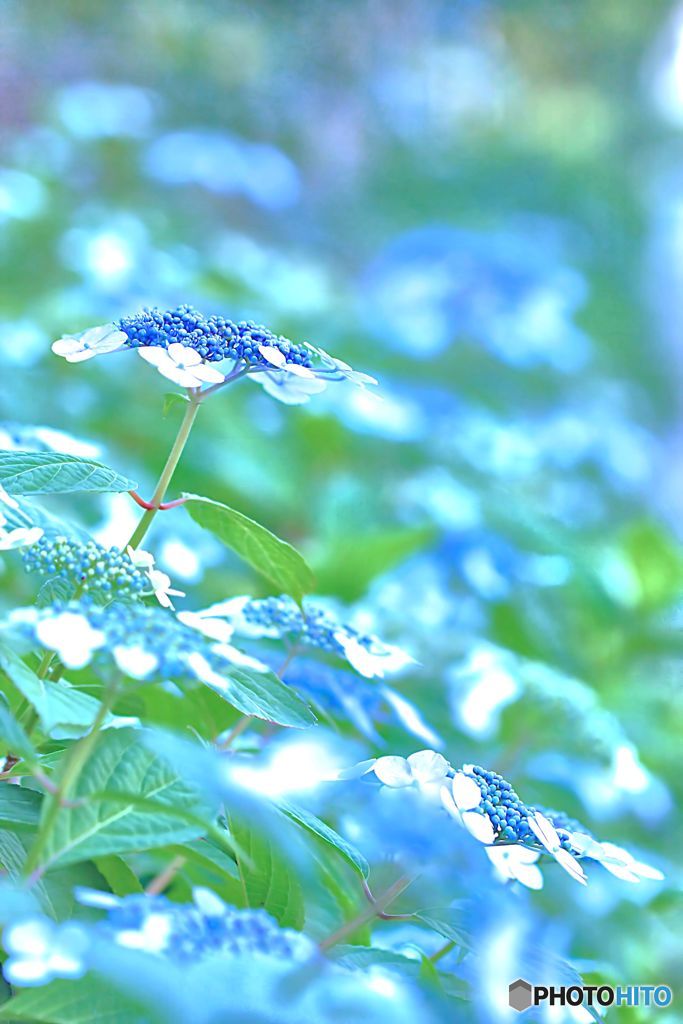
{"points": [[150, 506]]}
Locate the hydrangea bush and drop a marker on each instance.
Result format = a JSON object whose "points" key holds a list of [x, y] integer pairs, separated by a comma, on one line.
{"points": [[152, 747]]}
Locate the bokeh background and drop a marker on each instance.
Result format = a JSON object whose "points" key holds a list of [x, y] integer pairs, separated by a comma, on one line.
{"points": [[480, 203]]}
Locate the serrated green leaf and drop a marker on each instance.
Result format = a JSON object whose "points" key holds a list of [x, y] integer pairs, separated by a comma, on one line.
{"points": [[263, 695], [54, 473], [72, 1002], [328, 835], [273, 558], [267, 877], [55, 589], [13, 739], [19, 807], [64, 711], [445, 921], [122, 767]]}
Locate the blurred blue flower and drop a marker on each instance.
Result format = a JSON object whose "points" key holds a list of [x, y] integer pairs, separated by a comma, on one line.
{"points": [[94, 110], [225, 164], [436, 285]]}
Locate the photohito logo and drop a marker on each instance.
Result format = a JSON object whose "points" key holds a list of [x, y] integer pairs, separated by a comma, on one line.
{"points": [[522, 995]]}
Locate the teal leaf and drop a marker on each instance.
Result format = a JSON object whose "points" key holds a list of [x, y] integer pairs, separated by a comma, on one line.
{"points": [[13, 739], [72, 1002], [273, 558], [263, 695], [267, 878], [318, 828], [128, 774], [63, 710], [19, 807], [53, 473]]}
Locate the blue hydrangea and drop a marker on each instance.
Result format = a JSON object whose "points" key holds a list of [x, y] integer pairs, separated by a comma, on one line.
{"points": [[214, 337], [186, 932], [103, 573], [311, 626]]}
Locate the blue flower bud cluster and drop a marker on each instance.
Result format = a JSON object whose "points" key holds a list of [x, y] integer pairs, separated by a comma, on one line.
{"points": [[103, 573], [214, 337], [314, 627], [192, 932], [508, 814]]}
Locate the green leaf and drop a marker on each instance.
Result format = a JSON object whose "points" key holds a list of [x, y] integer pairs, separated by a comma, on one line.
{"points": [[72, 1002], [64, 711], [13, 739], [264, 695], [171, 399], [19, 807], [267, 878], [125, 769], [53, 590], [445, 921], [53, 473], [346, 565], [318, 828], [273, 558], [120, 878]]}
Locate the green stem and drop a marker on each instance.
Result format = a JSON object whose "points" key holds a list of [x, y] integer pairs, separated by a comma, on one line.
{"points": [[167, 472], [75, 759], [442, 951], [375, 910]]}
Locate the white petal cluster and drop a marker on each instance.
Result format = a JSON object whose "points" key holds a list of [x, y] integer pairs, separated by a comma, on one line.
{"points": [[96, 341], [181, 364]]}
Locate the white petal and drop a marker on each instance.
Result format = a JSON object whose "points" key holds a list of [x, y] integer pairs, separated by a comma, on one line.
{"points": [[214, 628], [183, 354], [287, 388], [570, 865], [273, 355], [135, 661], [354, 771], [186, 378], [410, 717], [544, 831], [647, 871], [393, 771], [7, 499], [466, 793], [20, 537], [479, 826], [529, 875], [239, 658], [448, 803], [428, 766], [140, 559], [29, 938], [299, 371], [66, 346], [208, 374], [25, 971], [154, 354], [207, 902]]}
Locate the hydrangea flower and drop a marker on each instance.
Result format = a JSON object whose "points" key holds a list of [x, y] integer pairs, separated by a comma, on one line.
{"points": [[489, 808], [91, 568], [142, 641], [281, 618], [182, 343], [40, 950], [184, 933], [425, 769], [96, 341], [351, 698], [181, 364]]}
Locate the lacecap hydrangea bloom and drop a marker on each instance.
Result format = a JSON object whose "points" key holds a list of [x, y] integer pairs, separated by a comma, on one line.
{"points": [[40, 950], [143, 642], [311, 627], [514, 833], [187, 347], [104, 573]]}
